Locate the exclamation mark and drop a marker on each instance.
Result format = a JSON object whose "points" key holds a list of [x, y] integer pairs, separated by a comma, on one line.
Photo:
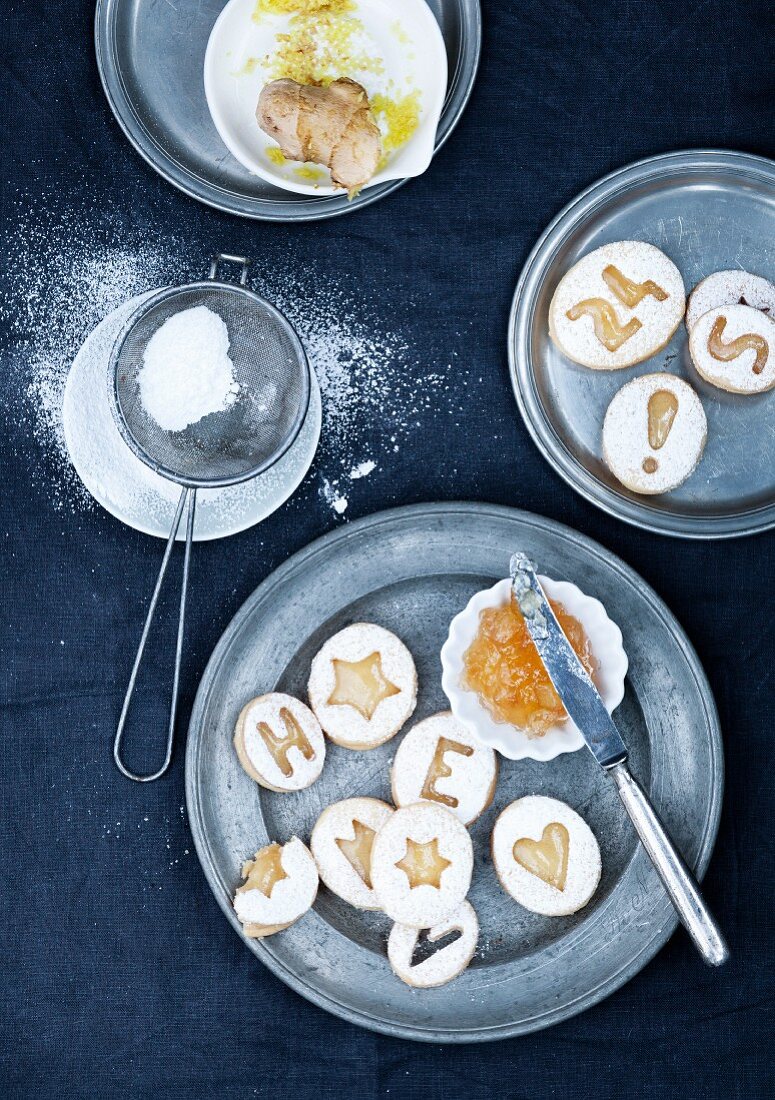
{"points": [[663, 406]]}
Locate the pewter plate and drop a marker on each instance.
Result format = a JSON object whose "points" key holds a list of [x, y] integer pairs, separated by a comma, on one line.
{"points": [[150, 56], [412, 570], [709, 211]]}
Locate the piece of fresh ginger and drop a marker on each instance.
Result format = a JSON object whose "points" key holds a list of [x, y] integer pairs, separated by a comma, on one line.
{"points": [[332, 126]]}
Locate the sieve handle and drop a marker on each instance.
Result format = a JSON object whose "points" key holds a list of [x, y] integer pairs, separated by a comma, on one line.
{"points": [[226, 258], [190, 496]]}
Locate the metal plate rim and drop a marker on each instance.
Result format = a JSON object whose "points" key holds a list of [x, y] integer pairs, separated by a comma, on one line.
{"points": [[637, 513], [409, 514], [461, 85]]}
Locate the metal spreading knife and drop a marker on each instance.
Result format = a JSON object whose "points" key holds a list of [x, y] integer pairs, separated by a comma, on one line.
{"points": [[584, 705]]}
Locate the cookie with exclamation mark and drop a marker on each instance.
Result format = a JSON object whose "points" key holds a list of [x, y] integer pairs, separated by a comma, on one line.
{"points": [[654, 433]]}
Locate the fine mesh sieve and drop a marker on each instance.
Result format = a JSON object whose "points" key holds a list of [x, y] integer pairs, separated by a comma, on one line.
{"points": [[223, 448]]}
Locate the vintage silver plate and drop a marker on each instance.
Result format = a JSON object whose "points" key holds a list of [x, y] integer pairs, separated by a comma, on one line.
{"points": [[411, 570], [708, 211], [151, 57]]}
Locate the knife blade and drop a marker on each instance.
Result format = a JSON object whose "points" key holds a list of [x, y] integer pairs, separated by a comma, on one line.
{"points": [[584, 705], [579, 695]]}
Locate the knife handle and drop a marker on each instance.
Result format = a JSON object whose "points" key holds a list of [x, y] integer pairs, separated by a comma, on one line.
{"points": [[676, 877]]}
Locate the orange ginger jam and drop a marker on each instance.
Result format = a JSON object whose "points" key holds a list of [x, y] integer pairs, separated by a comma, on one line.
{"points": [[503, 667]]}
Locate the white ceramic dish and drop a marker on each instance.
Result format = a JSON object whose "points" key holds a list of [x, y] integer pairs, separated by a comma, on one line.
{"points": [[136, 495], [605, 639], [403, 33]]}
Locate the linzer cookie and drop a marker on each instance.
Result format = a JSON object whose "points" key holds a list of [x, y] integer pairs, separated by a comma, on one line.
{"points": [[281, 883], [545, 856], [439, 761], [421, 865], [341, 843], [654, 433], [617, 306], [412, 955], [733, 347], [363, 686], [730, 288], [279, 743]]}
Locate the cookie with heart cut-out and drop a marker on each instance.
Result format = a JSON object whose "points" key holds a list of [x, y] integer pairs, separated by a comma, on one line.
{"points": [[546, 856], [617, 306], [341, 843], [281, 884], [439, 961]]}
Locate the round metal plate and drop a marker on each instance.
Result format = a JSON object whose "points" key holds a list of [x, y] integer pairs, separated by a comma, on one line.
{"points": [[709, 211], [151, 57], [411, 570]]}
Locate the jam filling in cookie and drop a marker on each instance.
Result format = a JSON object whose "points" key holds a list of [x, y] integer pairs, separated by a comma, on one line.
{"points": [[279, 743], [546, 856], [281, 883], [363, 686], [440, 761], [342, 842]]}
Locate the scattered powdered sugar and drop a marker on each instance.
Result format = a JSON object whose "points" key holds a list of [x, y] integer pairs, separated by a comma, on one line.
{"points": [[187, 373], [68, 266]]}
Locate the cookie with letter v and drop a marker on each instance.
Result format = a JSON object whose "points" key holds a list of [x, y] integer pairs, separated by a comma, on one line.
{"points": [[279, 743], [426, 959], [439, 761]]}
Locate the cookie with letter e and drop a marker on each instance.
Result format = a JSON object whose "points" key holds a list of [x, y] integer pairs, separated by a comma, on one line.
{"points": [[440, 761]]}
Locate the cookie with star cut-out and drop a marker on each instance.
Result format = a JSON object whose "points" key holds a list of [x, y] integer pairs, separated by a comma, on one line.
{"points": [[341, 843], [421, 864], [363, 686]]}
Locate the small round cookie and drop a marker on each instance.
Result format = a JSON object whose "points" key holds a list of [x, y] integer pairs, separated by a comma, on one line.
{"points": [[617, 306], [281, 884], [545, 856], [730, 288], [733, 347], [341, 843], [421, 865], [443, 964], [440, 761], [654, 433], [279, 743], [363, 686]]}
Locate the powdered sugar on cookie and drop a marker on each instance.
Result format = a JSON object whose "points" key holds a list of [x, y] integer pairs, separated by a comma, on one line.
{"points": [[280, 743], [654, 433], [421, 865], [443, 965], [546, 856], [602, 283], [733, 347], [281, 885], [730, 288], [341, 843], [439, 760], [363, 686]]}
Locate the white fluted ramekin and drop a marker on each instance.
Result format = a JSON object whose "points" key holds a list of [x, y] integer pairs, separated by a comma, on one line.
{"points": [[605, 640]]}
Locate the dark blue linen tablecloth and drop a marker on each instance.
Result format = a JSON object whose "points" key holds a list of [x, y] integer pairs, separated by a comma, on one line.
{"points": [[120, 976]]}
